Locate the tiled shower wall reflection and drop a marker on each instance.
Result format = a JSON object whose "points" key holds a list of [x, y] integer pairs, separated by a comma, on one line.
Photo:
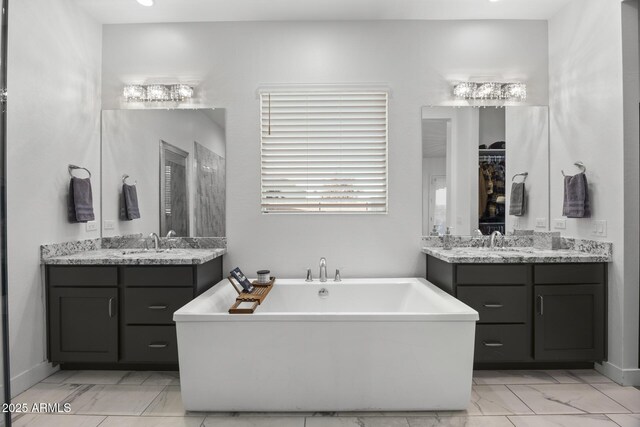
{"points": [[209, 193]]}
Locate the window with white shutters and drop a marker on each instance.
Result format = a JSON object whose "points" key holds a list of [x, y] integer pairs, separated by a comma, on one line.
{"points": [[324, 152]]}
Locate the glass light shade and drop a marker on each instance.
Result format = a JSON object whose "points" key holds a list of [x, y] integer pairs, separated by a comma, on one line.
{"points": [[157, 93], [181, 92], [465, 90], [489, 91], [515, 91], [134, 93]]}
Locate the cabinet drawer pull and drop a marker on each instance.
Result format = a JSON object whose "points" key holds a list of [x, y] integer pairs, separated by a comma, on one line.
{"points": [[493, 305], [110, 307], [541, 304], [492, 344], [158, 345], [157, 307]]}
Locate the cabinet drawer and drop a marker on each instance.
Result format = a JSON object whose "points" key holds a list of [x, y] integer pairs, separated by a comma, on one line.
{"points": [[496, 304], [502, 343], [155, 344], [568, 274], [175, 276], [70, 276], [154, 306], [488, 274]]}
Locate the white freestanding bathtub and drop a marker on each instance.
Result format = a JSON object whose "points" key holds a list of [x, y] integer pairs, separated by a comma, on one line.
{"points": [[370, 344]]}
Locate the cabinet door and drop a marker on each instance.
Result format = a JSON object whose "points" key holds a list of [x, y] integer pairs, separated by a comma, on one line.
{"points": [[569, 322], [83, 324]]}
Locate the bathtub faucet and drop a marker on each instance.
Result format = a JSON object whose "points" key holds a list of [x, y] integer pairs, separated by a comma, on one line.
{"points": [[323, 269]]}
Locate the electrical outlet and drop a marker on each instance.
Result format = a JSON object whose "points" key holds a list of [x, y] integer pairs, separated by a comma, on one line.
{"points": [[109, 224], [599, 228], [541, 222], [92, 226], [516, 223], [560, 224]]}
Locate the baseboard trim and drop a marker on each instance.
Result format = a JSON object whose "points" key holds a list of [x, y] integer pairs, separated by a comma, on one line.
{"points": [[627, 377], [30, 377]]}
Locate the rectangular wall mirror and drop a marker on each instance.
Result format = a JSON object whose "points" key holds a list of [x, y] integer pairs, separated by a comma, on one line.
{"points": [[176, 161], [471, 159]]}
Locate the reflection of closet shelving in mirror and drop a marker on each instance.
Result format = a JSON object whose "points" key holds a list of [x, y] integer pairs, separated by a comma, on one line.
{"points": [[492, 171]]}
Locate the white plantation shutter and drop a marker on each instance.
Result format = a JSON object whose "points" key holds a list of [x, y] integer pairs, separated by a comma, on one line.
{"points": [[324, 152]]}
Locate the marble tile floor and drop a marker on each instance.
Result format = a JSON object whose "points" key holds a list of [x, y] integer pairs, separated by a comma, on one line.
{"points": [[561, 398]]}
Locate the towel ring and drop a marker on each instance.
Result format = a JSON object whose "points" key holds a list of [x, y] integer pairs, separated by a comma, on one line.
{"points": [[580, 165], [124, 180], [74, 167], [523, 174]]}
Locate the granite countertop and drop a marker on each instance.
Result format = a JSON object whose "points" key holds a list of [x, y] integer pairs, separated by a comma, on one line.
{"points": [[513, 255], [176, 256]]}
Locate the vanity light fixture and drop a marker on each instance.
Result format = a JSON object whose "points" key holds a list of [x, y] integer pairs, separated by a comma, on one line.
{"points": [[157, 92], [490, 91], [147, 3]]}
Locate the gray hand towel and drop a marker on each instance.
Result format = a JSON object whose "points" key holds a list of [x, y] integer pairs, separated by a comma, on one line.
{"points": [[576, 197], [517, 202], [130, 199], [80, 200]]}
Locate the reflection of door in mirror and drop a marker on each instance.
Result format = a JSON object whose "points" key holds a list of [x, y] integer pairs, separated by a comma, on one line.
{"points": [[174, 192], [438, 204], [435, 133]]}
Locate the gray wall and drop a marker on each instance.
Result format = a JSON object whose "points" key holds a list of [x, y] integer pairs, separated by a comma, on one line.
{"points": [[587, 124], [416, 60], [53, 120]]}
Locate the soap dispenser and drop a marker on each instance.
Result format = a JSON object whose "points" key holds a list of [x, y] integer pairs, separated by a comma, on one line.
{"points": [[446, 239], [434, 232]]}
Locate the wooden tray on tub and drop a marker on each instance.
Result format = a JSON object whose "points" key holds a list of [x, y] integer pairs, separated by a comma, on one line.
{"points": [[255, 298]]}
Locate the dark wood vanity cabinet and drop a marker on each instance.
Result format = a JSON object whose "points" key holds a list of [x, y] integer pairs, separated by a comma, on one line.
{"points": [[83, 324], [120, 314], [570, 312], [531, 313]]}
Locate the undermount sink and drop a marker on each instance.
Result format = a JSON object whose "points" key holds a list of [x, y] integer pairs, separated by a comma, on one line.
{"points": [[526, 250], [132, 252], [510, 249]]}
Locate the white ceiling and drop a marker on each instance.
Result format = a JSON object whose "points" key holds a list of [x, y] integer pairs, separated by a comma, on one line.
{"points": [[129, 11]]}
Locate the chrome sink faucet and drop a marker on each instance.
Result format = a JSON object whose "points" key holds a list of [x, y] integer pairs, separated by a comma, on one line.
{"points": [[323, 269], [495, 235], [171, 234], [156, 240]]}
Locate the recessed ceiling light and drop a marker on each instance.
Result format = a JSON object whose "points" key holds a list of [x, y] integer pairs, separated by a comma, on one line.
{"points": [[150, 2], [492, 1]]}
